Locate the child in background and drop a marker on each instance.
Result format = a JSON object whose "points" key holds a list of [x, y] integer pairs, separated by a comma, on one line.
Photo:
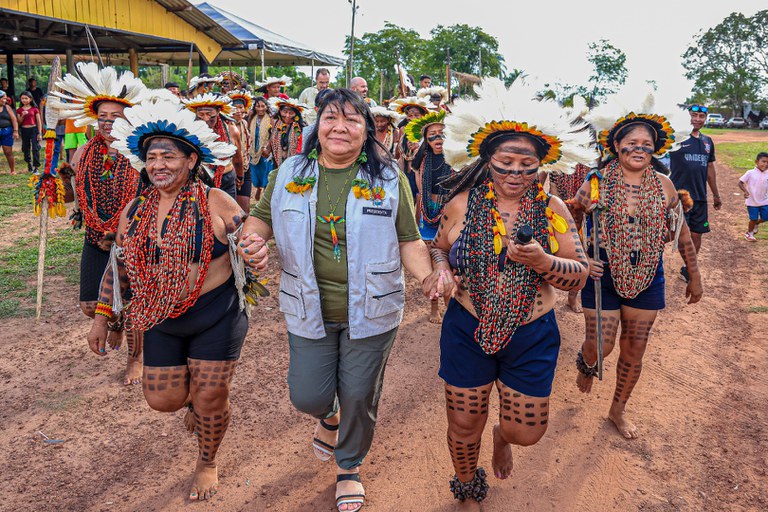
{"points": [[31, 130], [754, 184]]}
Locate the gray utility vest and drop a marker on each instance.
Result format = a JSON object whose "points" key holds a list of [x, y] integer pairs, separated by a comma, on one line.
{"points": [[375, 275]]}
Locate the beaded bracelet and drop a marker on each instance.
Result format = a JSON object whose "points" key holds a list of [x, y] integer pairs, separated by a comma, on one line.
{"points": [[104, 309]]}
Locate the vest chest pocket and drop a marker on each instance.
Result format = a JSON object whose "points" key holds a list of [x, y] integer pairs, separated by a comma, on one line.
{"points": [[384, 289], [291, 299]]}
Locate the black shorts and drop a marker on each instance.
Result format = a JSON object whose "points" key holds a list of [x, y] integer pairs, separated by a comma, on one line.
{"points": [[213, 329], [245, 189], [228, 184], [652, 298], [697, 217], [526, 364], [92, 264]]}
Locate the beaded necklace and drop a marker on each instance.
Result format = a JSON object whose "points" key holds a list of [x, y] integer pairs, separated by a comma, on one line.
{"points": [[159, 272], [223, 134], [332, 219], [568, 184], [642, 239], [389, 138], [105, 185], [503, 298], [284, 142], [432, 211]]}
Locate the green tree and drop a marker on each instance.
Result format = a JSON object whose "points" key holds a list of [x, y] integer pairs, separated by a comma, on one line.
{"points": [[471, 49], [609, 68], [376, 57], [723, 65]]}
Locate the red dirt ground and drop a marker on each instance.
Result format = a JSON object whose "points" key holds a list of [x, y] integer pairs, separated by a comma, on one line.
{"points": [[700, 406]]}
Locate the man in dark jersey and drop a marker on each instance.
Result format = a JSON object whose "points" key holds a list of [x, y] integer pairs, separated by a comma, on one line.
{"points": [[692, 168]]}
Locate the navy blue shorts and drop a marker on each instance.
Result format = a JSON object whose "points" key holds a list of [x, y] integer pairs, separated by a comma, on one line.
{"points": [[213, 329], [758, 213], [652, 298], [526, 364], [6, 136]]}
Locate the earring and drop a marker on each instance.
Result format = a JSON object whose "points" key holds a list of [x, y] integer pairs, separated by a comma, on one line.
{"points": [[363, 158], [296, 118]]}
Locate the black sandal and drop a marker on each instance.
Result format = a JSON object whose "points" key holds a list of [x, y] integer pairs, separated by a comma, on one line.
{"points": [[323, 450], [349, 499]]}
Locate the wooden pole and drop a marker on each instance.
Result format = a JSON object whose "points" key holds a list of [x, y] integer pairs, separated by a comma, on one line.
{"points": [[41, 256], [133, 57]]}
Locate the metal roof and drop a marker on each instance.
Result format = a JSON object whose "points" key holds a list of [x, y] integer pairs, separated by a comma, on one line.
{"points": [[198, 19]]}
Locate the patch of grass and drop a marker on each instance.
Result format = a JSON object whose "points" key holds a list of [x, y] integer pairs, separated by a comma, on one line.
{"points": [[18, 269], [15, 194], [757, 309], [723, 131], [740, 155]]}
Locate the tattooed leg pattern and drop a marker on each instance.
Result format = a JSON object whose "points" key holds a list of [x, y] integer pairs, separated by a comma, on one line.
{"points": [[589, 348], [467, 410], [133, 370], [210, 383]]}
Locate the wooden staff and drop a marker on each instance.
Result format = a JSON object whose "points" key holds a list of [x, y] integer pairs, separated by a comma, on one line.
{"points": [[598, 292], [41, 248]]}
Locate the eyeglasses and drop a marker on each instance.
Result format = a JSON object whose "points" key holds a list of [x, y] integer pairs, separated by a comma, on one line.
{"points": [[157, 160], [504, 172], [699, 108], [438, 136]]}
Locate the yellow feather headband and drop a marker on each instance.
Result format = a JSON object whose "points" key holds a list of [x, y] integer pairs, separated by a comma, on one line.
{"points": [[416, 128]]}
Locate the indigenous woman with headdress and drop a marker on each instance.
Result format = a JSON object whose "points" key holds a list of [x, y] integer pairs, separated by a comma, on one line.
{"points": [[510, 244], [639, 211], [172, 273], [270, 87], [285, 135], [342, 218], [202, 84], [411, 108], [436, 95], [260, 123], [230, 81], [242, 102], [212, 108], [430, 169], [387, 131], [105, 182]]}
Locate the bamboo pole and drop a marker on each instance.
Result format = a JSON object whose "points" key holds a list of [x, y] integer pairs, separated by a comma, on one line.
{"points": [[41, 248]]}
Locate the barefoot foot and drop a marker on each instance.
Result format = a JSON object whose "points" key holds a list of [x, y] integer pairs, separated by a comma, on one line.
{"points": [[435, 314], [625, 427], [206, 481], [573, 303], [189, 419], [583, 382], [468, 506], [133, 372], [114, 339], [502, 455]]}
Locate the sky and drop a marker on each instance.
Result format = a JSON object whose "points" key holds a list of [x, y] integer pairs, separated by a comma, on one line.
{"points": [[548, 39]]}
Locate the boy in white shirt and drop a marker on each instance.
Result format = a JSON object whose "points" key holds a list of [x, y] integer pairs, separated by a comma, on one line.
{"points": [[754, 184]]}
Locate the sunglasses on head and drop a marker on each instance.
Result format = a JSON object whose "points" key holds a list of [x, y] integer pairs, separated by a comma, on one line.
{"points": [[699, 108], [504, 172], [437, 136]]}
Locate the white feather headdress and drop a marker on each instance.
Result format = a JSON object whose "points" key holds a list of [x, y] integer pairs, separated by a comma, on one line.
{"points": [[393, 116], [277, 103], [639, 103], [158, 95], [241, 95], [83, 91], [165, 119], [210, 99], [198, 80], [285, 81], [428, 92], [515, 110], [401, 105]]}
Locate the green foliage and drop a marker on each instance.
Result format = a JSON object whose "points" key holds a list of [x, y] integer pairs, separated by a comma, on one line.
{"points": [[740, 155], [610, 70], [471, 50], [729, 62]]}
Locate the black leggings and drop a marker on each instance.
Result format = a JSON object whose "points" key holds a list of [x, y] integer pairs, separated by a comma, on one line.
{"points": [[30, 146], [213, 329], [229, 184], [245, 189]]}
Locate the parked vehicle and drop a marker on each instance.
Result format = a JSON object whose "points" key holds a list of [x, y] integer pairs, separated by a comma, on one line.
{"points": [[715, 121], [764, 123], [736, 122]]}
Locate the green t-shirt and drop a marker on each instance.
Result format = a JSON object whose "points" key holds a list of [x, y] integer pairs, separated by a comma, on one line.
{"points": [[331, 274]]}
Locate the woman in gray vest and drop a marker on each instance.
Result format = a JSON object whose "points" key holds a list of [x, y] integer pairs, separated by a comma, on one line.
{"points": [[342, 216]]}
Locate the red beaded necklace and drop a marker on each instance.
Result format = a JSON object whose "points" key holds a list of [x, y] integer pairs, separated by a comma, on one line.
{"points": [[644, 238], [503, 298], [284, 143], [105, 185], [223, 134], [159, 273], [568, 184]]}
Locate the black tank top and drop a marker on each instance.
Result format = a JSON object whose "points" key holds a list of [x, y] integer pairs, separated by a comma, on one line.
{"points": [[5, 117]]}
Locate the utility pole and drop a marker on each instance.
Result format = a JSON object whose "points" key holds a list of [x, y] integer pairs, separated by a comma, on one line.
{"points": [[352, 42]]}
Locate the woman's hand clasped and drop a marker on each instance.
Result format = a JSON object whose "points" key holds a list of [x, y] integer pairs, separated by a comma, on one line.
{"points": [[440, 282], [253, 249]]}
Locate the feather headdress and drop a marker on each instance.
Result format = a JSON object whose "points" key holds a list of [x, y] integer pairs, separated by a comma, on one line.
{"points": [[235, 81], [638, 103], [149, 120], [243, 96], [416, 128], [278, 103], [285, 81], [379, 111], [436, 90], [199, 80], [401, 105], [90, 86], [501, 110], [210, 99], [157, 95]]}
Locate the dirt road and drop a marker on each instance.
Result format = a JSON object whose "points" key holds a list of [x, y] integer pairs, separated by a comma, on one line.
{"points": [[701, 406]]}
